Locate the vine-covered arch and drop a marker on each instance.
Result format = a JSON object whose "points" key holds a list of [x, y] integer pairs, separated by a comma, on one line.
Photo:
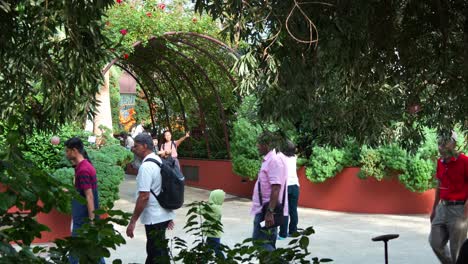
{"points": [[189, 74]]}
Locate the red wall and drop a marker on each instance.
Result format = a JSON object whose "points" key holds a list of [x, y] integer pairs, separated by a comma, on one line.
{"points": [[218, 175], [345, 192], [58, 223]]}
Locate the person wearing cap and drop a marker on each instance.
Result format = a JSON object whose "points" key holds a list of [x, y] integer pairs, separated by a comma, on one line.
{"points": [[152, 215], [449, 215]]}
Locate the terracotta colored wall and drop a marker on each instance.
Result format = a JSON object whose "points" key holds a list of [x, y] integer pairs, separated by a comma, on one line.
{"points": [[58, 223], [345, 192], [218, 175]]}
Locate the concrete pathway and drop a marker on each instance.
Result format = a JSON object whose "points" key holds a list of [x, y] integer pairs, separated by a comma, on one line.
{"points": [[344, 237]]}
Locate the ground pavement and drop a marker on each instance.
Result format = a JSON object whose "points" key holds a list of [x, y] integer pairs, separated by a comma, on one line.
{"points": [[344, 237]]}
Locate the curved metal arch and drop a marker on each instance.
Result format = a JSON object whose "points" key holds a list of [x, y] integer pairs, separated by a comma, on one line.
{"points": [[182, 107], [211, 39], [163, 98], [215, 91], [198, 99], [160, 94], [204, 51], [182, 40], [171, 84]]}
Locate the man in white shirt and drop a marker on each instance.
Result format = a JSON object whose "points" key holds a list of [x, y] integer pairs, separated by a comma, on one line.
{"points": [[155, 218]]}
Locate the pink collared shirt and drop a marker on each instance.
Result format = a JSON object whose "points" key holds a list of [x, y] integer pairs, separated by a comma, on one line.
{"points": [[273, 171]]}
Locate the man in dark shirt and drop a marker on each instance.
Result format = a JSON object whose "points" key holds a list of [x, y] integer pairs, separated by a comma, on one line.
{"points": [[85, 184]]}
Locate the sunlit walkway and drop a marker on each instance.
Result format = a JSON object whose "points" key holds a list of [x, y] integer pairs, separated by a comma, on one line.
{"points": [[344, 237]]}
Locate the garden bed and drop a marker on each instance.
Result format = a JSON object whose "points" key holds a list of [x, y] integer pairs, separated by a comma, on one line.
{"points": [[345, 192]]}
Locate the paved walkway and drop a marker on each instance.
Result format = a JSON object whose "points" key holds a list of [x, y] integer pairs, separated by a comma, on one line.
{"points": [[344, 237]]}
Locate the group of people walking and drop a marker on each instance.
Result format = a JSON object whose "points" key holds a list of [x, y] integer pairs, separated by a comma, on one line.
{"points": [[274, 200]]}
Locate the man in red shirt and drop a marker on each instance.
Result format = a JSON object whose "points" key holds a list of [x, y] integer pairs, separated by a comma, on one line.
{"points": [[449, 216]]}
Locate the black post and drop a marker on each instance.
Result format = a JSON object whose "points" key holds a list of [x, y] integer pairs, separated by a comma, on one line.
{"points": [[386, 253]]}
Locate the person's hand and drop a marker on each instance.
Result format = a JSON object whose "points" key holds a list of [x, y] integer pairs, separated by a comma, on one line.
{"points": [[269, 219], [170, 225], [187, 134], [130, 229]]}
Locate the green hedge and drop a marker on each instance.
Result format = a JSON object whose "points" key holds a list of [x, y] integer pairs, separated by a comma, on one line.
{"points": [[414, 170], [50, 157], [109, 160], [324, 163]]}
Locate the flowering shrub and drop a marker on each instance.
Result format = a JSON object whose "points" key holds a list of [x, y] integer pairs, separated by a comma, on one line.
{"points": [[129, 22]]}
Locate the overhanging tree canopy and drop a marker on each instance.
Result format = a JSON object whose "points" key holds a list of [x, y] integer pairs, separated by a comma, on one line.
{"points": [[353, 68]]}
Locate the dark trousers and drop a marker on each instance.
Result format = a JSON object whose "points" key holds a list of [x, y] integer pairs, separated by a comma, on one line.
{"points": [[156, 243], [292, 219], [215, 244]]}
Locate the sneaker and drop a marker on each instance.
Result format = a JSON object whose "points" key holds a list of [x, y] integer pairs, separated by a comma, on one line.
{"points": [[281, 238]]}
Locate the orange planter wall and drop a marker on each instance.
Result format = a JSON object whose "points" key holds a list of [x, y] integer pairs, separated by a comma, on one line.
{"points": [[58, 223], [218, 175], [345, 192]]}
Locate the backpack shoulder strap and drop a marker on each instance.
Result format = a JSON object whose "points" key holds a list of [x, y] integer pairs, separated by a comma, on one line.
{"points": [[159, 164], [154, 161], [174, 144]]}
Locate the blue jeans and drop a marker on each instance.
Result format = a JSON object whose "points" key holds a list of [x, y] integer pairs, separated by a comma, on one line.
{"points": [[293, 198], [215, 244], [265, 236]]}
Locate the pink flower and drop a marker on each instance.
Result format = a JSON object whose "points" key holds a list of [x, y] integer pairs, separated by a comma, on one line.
{"points": [[55, 140], [125, 56], [119, 1], [413, 109], [161, 6], [123, 32], [149, 14]]}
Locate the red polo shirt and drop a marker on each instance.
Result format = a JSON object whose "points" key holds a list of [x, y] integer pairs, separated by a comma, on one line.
{"points": [[453, 178]]}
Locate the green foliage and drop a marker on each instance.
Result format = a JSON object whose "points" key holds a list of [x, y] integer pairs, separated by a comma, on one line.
{"points": [[26, 186], [109, 178], [371, 163], [114, 90], [144, 21], [394, 157], [246, 159], [65, 175], [93, 240], [351, 153], [324, 163], [373, 64], [141, 109], [419, 175], [47, 156], [51, 78], [199, 221], [245, 167], [301, 162]]}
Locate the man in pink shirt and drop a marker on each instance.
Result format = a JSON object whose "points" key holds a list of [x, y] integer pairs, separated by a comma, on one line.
{"points": [[272, 180]]}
